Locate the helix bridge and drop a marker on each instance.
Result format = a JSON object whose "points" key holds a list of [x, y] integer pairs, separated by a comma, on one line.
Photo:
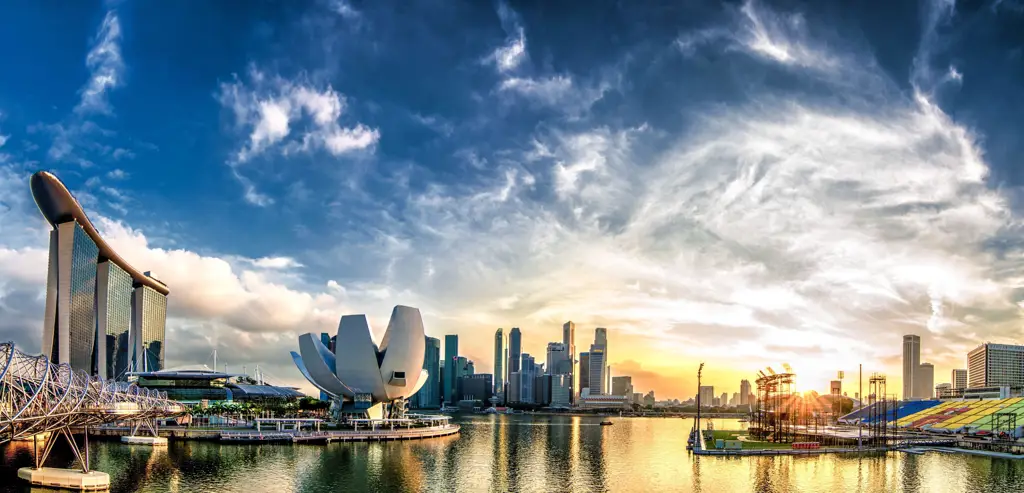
{"points": [[38, 397]]}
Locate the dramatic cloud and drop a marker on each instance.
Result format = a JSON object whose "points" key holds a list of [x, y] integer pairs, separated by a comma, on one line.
{"points": [[105, 67], [513, 53]]}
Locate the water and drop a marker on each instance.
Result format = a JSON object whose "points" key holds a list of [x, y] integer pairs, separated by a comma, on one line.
{"points": [[526, 454]]}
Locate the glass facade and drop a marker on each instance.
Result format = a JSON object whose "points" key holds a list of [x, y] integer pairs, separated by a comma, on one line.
{"points": [[115, 288], [429, 396], [451, 354], [150, 325], [82, 319]]}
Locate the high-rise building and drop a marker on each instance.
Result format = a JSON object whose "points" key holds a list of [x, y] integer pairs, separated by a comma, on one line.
{"points": [[558, 362], [542, 389], [584, 372], [500, 365], [476, 387], [149, 310], [113, 319], [515, 349], [561, 391], [569, 339], [451, 357], [622, 385], [958, 379], [735, 399], [724, 399], [96, 318], [515, 387], [995, 365], [649, 399], [429, 396], [598, 371], [528, 368], [745, 392], [924, 381], [601, 336], [706, 396], [911, 360]]}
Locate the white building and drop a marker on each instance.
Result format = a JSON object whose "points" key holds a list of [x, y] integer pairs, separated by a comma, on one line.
{"points": [[995, 365], [958, 379], [911, 360]]}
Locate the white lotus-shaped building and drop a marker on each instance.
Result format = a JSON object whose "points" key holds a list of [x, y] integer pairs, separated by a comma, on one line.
{"points": [[361, 374]]}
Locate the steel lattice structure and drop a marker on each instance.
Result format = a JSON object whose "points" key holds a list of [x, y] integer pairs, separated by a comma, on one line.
{"points": [[37, 396]]}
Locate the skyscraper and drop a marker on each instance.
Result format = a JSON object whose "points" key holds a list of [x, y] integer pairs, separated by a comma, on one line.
{"points": [[500, 366], [569, 339], [558, 362], [451, 356], [528, 369], [598, 371], [584, 367], [745, 392], [924, 381], [149, 310], [429, 395], [601, 336], [959, 379], [113, 319], [515, 349], [995, 365], [911, 360]]}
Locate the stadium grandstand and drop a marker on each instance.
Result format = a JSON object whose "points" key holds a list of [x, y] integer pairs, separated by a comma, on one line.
{"points": [[981, 417], [867, 414]]}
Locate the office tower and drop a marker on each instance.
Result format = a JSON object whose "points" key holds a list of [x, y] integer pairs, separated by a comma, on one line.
{"points": [[958, 379], [724, 400], [470, 368], [911, 360], [598, 371], [706, 396], [558, 362], [584, 368], [622, 385], [113, 320], [462, 367], [924, 381], [477, 387], [569, 339], [515, 387], [649, 399], [601, 336], [515, 349], [528, 370], [542, 389], [995, 365], [561, 390], [745, 392], [429, 396], [451, 356], [87, 299], [735, 399], [500, 365]]}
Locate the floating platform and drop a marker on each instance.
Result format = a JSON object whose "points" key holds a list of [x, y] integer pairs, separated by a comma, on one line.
{"points": [[69, 479], [151, 441]]}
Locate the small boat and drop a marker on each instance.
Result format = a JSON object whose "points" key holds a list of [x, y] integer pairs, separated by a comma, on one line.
{"points": [[606, 423]]}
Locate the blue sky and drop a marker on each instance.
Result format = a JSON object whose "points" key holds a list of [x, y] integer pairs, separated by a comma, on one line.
{"points": [[745, 183]]}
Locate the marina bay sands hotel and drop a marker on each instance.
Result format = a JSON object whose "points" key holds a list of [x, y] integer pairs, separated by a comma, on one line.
{"points": [[103, 316]]}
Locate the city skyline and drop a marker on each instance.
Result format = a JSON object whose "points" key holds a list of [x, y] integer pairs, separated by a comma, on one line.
{"points": [[725, 185]]}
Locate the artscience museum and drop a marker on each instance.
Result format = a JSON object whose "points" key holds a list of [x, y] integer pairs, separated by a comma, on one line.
{"points": [[364, 379]]}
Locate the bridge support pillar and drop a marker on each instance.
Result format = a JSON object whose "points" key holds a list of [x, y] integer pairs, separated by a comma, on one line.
{"points": [[136, 439], [72, 479]]}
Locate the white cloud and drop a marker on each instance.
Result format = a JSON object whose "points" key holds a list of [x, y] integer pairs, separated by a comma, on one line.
{"points": [[344, 9], [273, 109], [512, 54], [276, 263], [781, 38], [105, 67], [117, 174], [549, 91]]}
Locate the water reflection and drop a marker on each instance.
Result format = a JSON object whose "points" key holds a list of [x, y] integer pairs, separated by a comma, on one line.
{"points": [[519, 454]]}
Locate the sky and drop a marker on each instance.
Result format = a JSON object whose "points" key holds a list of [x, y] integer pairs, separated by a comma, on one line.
{"points": [[745, 183]]}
